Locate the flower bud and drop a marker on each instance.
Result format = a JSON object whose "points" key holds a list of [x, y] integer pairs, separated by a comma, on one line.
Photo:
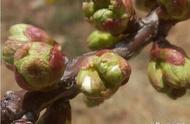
{"points": [[26, 32], [145, 5], [100, 40], [109, 15], [38, 66], [103, 74], [104, 20], [19, 35], [176, 9], [88, 8], [157, 79], [169, 66], [114, 69], [17, 32]]}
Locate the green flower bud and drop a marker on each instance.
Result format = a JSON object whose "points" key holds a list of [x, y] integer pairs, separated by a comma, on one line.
{"points": [[17, 32], [105, 20], [25, 33], [19, 35], [102, 16], [102, 75], [38, 66], [145, 5], [100, 40], [176, 9], [112, 67], [88, 8], [157, 79], [169, 68]]}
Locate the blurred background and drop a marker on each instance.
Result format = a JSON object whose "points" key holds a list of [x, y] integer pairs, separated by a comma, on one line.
{"points": [[135, 103]]}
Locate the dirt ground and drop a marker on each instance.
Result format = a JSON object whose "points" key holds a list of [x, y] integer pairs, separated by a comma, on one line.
{"points": [[135, 103]]}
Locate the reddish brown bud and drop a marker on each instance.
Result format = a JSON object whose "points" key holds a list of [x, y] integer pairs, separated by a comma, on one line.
{"points": [[169, 68], [168, 54]]}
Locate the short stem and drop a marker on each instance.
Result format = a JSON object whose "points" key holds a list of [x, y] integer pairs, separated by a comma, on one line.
{"points": [[143, 37], [57, 113]]}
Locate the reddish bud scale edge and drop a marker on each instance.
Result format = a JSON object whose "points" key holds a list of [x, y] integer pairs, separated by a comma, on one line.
{"points": [[35, 34], [169, 55], [57, 59]]}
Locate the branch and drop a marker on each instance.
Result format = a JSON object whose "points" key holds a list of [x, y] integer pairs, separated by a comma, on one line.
{"points": [[143, 37], [58, 113], [18, 104]]}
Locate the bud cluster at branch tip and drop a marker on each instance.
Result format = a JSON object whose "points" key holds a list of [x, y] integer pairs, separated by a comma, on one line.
{"points": [[109, 15], [34, 56], [169, 68], [19, 35], [102, 75]]}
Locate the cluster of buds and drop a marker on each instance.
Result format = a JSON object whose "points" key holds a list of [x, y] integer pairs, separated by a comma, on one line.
{"points": [[19, 35], [169, 69], [34, 56], [109, 15], [176, 9], [145, 5], [101, 75]]}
